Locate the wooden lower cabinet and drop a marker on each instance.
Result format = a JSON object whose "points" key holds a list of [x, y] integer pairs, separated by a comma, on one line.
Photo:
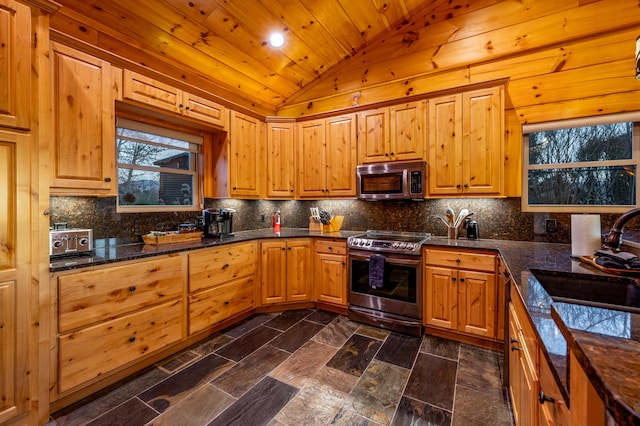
{"points": [[285, 271], [331, 272], [460, 292], [212, 306], [523, 381], [554, 410], [90, 352]]}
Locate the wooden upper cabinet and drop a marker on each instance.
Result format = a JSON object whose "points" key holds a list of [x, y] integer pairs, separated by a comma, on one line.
{"points": [[139, 88], [280, 160], [83, 155], [466, 139], [246, 169], [327, 158], [393, 133], [15, 64]]}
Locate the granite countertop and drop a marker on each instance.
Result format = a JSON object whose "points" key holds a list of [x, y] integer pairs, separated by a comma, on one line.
{"points": [[606, 342]]}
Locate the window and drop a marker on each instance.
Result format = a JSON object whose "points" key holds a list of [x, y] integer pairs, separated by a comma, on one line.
{"points": [[582, 165], [157, 168]]}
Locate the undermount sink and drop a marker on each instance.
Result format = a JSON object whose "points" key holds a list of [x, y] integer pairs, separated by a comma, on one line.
{"points": [[619, 293]]}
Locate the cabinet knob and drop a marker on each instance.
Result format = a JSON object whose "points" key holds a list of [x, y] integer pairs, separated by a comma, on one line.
{"points": [[392, 154], [461, 280], [386, 154], [132, 288], [458, 186], [330, 248], [453, 278], [107, 179], [226, 302], [466, 185], [458, 261], [344, 264], [542, 398], [291, 189], [289, 248], [187, 108], [132, 339], [180, 106], [283, 249]]}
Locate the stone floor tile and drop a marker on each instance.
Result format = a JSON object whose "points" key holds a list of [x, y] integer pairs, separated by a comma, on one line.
{"points": [[441, 347], [177, 387], [378, 392], [347, 417], [478, 368], [248, 324], [132, 413], [287, 319], [92, 407], [475, 407], [244, 346], [258, 406], [322, 317], [433, 380], [178, 361], [198, 409], [304, 364], [355, 355], [336, 379], [297, 336], [313, 405], [212, 344], [399, 349], [337, 332], [246, 373], [412, 412]]}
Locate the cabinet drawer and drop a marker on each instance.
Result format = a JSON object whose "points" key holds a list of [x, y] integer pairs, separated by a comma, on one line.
{"points": [[220, 265], [459, 259], [211, 306], [90, 352], [556, 412], [518, 310], [331, 247], [89, 297]]}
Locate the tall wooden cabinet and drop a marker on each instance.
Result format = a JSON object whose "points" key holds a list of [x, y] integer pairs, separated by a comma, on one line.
{"points": [[281, 171], [461, 292], [83, 158], [25, 129], [246, 156], [393, 133], [326, 165], [285, 271], [466, 138]]}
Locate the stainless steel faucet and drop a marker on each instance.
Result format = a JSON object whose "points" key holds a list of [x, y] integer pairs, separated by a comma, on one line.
{"points": [[613, 240]]}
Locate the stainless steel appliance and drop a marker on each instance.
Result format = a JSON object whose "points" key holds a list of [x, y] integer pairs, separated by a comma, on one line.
{"points": [[70, 241], [385, 279], [218, 222], [389, 181]]}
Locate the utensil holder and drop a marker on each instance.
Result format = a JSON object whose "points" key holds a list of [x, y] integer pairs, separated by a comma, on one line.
{"points": [[315, 226], [452, 232], [335, 224]]}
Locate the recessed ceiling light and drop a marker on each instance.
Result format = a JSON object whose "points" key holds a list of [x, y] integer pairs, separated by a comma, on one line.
{"points": [[276, 40]]}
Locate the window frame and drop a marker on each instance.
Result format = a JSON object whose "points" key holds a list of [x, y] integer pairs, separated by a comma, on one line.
{"points": [[579, 122], [193, 136]]}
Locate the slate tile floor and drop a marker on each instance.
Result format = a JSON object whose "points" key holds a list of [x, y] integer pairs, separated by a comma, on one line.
{"points": [[307, 367]]}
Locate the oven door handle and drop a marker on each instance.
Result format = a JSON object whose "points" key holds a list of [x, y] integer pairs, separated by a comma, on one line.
{"points": [[414, 261]]}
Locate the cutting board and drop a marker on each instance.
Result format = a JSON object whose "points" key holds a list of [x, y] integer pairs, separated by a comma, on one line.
{"points": [[591, 260]]}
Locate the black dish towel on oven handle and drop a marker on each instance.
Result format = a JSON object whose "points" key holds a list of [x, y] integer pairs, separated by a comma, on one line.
{"points": [[376, 270]]}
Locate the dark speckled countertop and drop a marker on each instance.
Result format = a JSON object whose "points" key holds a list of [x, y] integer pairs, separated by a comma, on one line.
{"points": [[606, 342]]}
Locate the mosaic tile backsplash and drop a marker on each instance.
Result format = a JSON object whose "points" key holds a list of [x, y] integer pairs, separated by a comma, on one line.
{"points": [[497, 218]]}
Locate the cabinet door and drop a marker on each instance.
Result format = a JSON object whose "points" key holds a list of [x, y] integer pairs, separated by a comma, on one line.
{"points": [[441, 297], [245, 165], [280, 160], [407, 131], [148, 91], [15, 64], [299, 270], [482, 157], [373, 136], [84, 138], [311, 164], [477, 303], [331, 278], [445, 145], [341, 156], [273, 272], [522, 377], [204, 110]]}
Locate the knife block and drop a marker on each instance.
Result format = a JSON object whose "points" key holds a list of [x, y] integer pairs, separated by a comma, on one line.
{"points": [[315, 226], [335, 224]]}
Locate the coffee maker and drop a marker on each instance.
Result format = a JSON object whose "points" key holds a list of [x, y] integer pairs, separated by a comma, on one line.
{"points": [[218, 222]]}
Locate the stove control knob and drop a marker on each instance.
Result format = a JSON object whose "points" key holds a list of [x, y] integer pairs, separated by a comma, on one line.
{"points": [[394, 245], [83, 241], [57, 244], [403, 245], [367, 243]]}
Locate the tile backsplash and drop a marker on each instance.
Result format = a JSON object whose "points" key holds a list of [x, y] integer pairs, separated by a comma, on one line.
{"points": [[499, 218]]}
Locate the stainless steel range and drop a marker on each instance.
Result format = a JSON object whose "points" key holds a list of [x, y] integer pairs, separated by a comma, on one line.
{"points": [[385, 279]]}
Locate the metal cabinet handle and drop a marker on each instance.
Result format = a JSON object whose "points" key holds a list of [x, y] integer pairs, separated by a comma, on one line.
{"points": [[542, 398]]}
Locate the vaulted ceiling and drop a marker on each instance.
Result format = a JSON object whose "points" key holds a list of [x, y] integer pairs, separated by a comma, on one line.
{"points": [[222, 46]]}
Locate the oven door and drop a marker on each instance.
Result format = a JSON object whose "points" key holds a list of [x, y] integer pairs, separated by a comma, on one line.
{"points": [[401, 292]]}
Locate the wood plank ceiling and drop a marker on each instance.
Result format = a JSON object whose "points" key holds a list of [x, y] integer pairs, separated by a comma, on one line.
{"points": [[221, 45]]}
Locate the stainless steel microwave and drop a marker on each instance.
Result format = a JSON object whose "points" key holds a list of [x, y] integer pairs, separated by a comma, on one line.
{"points": [[390, 181]]}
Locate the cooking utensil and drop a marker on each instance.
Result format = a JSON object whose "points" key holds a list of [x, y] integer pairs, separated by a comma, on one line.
{"points": [[442, 218], [450, 216], [463, 213]]}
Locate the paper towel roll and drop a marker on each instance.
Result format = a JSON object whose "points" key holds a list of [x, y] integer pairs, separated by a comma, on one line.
{"points": [[585, 234]]}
